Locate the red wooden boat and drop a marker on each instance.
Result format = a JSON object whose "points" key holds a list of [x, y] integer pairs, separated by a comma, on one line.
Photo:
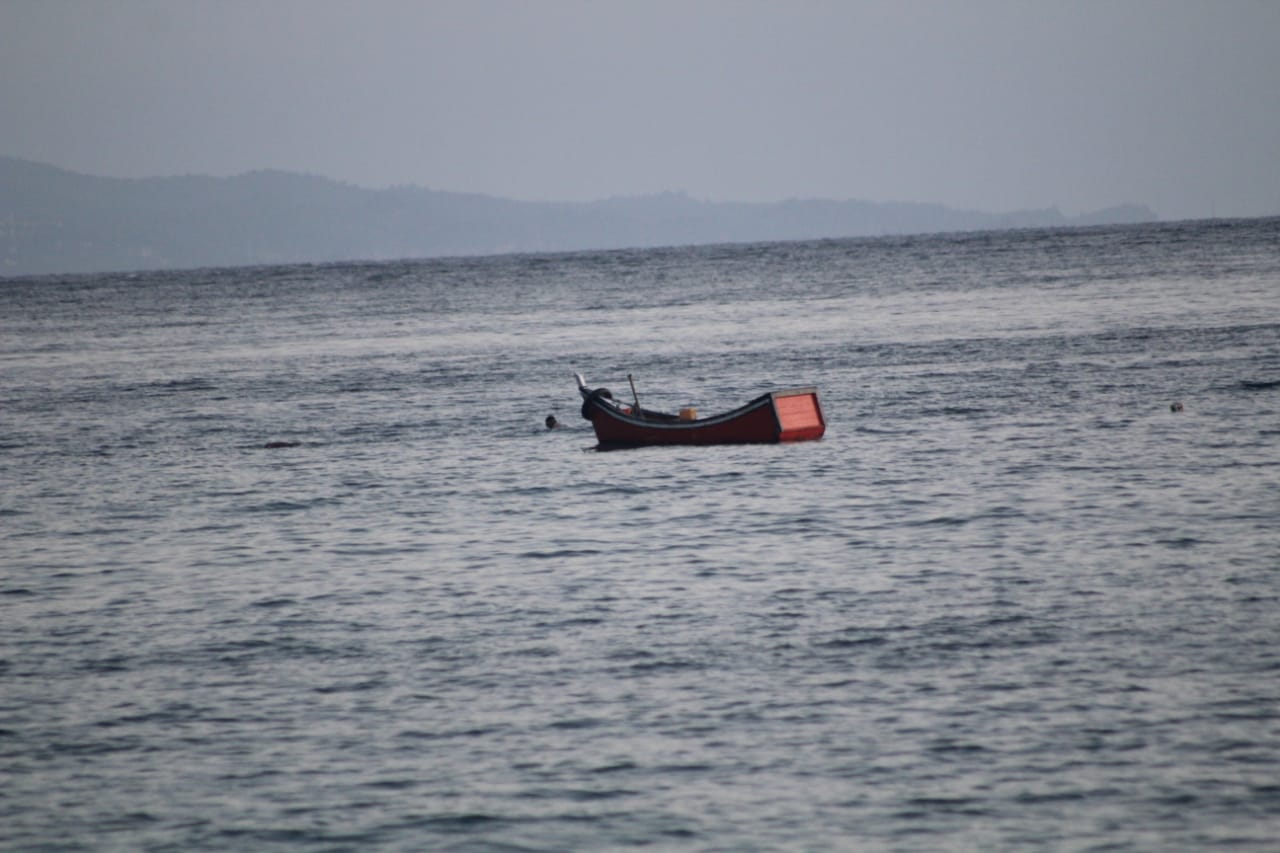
{"points": [[791, 415]]}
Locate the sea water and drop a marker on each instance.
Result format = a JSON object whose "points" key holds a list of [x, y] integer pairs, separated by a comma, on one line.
{"points": [[288, 560]]}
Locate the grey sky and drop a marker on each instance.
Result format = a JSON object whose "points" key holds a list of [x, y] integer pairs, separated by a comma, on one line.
{"points": [[979, 104]]}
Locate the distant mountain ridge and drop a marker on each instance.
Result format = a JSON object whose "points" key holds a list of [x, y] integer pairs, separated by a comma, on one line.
{"points": [[56, 221]]}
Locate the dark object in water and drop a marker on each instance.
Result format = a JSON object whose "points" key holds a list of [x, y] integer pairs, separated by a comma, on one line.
{"points": [[276, 445], [792, 415], [551, 422], [1175, 407]]}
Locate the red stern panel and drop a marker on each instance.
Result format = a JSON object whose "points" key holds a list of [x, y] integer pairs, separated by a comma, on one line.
{"points": [[799, 415]]}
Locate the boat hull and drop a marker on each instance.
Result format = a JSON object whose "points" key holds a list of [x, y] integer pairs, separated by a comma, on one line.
{"points": [[792, 415]]}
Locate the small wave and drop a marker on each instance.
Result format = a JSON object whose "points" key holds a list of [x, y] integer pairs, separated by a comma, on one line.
{"points": [[1035, 798], [283, 506], [948, 745], [579, 723], [561, 554], [105, 665], [619, 767], [666, 666], [1180, 542], [477, 731], [303, 837], [272, 603], [575, 622], [181, 386], [928, 806], [1260, 384], [939, 521], [851, 642], [352, 687]]}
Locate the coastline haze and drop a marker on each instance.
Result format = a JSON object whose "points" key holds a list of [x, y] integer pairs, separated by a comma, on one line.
{"points": [[989, 106]]}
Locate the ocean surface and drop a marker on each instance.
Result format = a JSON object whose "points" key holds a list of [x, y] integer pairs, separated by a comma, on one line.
{"points": [[288, 560]]}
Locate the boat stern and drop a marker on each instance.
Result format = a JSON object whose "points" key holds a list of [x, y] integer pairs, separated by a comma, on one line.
{"points": [[799, 414]]}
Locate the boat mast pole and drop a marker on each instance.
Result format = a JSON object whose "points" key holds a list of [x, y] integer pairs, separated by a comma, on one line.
{"points": [[634, 395]]}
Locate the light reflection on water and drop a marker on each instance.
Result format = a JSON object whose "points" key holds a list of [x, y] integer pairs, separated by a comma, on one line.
{"points": [[1010, 600]]}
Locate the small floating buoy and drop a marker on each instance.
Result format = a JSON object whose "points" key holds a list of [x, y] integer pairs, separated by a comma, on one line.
{"points": [[1175, 407], [551, 422]]}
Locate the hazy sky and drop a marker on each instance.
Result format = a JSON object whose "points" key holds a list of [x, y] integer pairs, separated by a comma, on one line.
{"points": [[976, 104]]}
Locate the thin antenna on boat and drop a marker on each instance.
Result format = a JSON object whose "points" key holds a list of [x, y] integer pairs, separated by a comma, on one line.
{"points": [[633, 393]]}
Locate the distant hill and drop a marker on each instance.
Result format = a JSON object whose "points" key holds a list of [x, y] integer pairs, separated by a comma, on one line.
{"points": [[55, 221]]}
